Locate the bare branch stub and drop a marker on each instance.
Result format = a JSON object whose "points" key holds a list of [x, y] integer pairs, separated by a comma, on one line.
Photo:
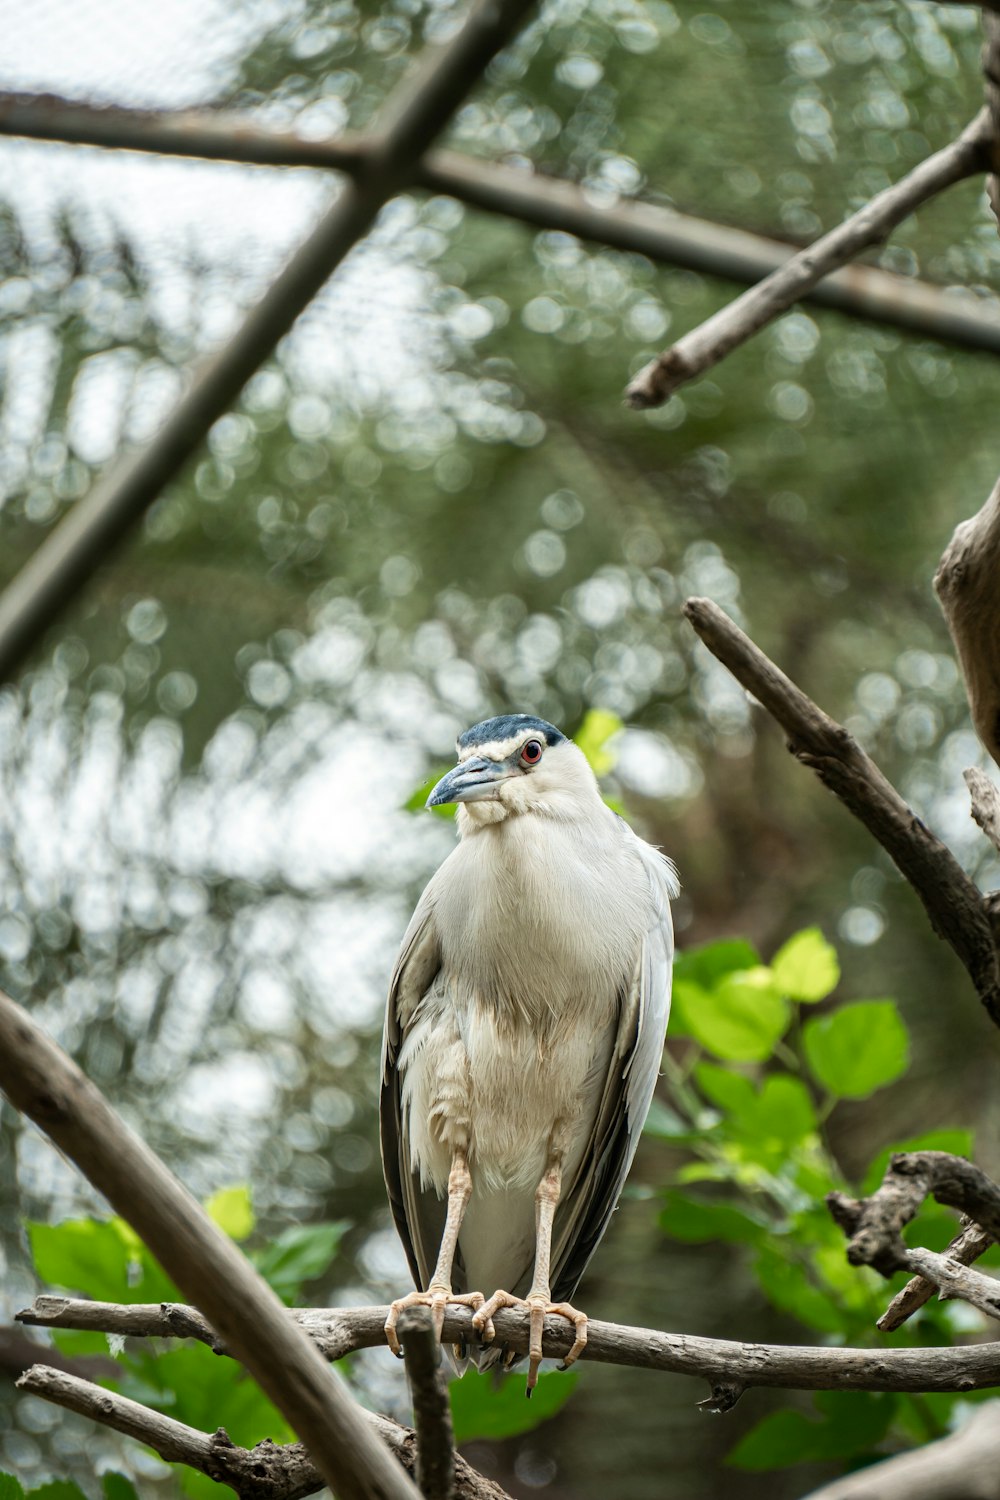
{"points": [[431, 1408], [711, 341], [954, 905], [338, 1331]]}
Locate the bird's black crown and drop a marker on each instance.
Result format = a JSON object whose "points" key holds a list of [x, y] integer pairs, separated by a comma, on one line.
{"points": [[504, 727]]}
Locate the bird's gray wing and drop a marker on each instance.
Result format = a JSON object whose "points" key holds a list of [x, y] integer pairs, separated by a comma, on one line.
{"points": [[419, 1216], [628, 1088]]}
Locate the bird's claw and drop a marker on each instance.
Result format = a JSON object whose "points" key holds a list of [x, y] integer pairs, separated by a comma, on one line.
{"points": [[437, 1299], [538, 1307]]}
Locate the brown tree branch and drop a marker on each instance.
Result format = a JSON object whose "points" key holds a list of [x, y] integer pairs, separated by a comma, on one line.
{"points": [[269, 1471], [724, 1363], [711, 341], [431, 1407], [663, 234], [46, 1085], [955, 907], [966, 1247], [963, 1466]]}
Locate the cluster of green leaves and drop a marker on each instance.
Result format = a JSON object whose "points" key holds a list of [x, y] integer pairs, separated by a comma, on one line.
{"points": [[759, 1166], [104, 1259]]}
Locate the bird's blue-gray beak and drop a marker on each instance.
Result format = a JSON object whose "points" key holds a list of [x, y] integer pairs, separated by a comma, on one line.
{"points": [[472, 781]]}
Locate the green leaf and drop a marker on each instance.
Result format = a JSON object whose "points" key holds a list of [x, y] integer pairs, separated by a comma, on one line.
{"points": [[806, 968], [707, 965], [117, 1487], [663, 1123], [57, 1489], [956, 1142], [854, 1422], [788, 1288], [10, 1488], [416, 802], [731, 1091], [479, 1409], [857, 1049], [779, 1113], [592, 738], [695, 1221], [742, 1018], [299, 1254], [231, 1208], [92, 1256]]}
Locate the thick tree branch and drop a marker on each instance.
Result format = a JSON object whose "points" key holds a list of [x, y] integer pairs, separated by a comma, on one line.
{"points": [[723, 1363], [269, 1471], [431, 1408], [955, 907], [41, 1081], [968, 588], [412, 118], [966, 1247], [963, 1466], [712, 340], [666, 236]]}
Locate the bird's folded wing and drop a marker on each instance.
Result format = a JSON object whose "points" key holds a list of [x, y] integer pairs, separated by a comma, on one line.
{"points": [[627, 1090], [419, 1217]]}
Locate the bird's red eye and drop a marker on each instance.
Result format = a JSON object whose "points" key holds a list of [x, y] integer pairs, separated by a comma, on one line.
{"points": [[532, 753]]}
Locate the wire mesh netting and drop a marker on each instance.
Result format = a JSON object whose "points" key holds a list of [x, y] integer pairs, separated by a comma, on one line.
{"points": [[426, 506]]}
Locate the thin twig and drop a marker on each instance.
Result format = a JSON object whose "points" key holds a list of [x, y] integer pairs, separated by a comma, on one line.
{"points": [[338, 1331], [954, 905], [269, 1471], [47, 1086], [414, 115], [662, 234], [966, 1247], [431, 1407], [712, 340]]}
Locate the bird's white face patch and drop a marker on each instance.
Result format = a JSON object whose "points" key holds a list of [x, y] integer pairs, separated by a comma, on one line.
{"points": [[496, 749]]}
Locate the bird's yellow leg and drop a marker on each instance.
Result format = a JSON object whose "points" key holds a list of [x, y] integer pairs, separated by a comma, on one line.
{"points": [[439, 1293], [539, 1299]]}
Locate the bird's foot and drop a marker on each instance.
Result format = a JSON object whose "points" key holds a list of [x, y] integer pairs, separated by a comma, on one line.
{"points": [[436, 1298], [538, 1307]]}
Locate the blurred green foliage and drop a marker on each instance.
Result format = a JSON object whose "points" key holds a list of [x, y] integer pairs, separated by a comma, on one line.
{"points": [[113, 1487]]}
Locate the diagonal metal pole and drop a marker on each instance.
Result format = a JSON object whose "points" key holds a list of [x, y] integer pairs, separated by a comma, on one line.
{"points": [[664, 234], [412, 118]]}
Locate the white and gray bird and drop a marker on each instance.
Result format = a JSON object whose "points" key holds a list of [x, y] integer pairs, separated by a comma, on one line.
{"points": [[523, 1033]]}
